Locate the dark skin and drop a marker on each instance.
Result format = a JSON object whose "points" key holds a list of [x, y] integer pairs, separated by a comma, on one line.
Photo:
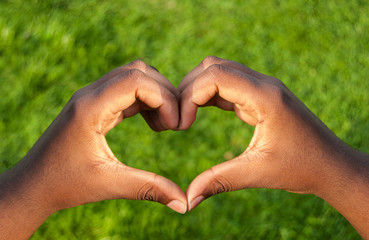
{"points": [[291, 148], [71, 164]]}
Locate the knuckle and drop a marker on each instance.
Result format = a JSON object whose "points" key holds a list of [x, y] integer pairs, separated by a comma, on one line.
{"points": [[78, 106], [215, 70], [135, 75], [79, 103], [148, 191], [77, 94], [279, 96], [210, 60], [139, 64], [220, 184], [79, 98]]}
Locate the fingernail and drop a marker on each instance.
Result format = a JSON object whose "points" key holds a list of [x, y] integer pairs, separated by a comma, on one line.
{"points": [[196, 202], [179, 124], [177, 206], [154, 68]]}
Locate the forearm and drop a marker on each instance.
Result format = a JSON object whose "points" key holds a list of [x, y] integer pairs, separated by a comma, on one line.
{"points": [[348, 189], [23, 203]]}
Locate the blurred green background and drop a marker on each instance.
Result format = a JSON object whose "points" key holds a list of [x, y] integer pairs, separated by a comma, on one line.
{"points": [[319, 49]]}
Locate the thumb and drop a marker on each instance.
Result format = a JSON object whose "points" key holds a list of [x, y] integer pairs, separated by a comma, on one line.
{"points": [[238, 173], [130, 183]]}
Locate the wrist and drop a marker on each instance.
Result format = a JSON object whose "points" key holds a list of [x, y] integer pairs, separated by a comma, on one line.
{"points": [[346, 169], [346, 186], [24, 201]]}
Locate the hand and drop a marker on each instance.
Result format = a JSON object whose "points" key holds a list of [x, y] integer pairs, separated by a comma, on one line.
{"points": [[72, 164], [291, 148], [85, 168]]}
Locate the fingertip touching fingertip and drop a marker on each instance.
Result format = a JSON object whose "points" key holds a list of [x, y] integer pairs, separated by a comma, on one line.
{"points": [[195, 202], [180, 125], [177, 206], [184, 125]]}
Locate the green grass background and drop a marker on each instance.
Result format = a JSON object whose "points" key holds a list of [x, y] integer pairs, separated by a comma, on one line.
{"points": [[319, 49]]}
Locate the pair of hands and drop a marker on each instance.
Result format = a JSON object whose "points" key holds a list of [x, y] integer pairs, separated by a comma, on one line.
{"points": [[73, 163]]}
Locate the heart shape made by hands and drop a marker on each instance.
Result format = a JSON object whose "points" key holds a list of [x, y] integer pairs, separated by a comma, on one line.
{"points": [[284, 152], [258, 100], [71, 164]]}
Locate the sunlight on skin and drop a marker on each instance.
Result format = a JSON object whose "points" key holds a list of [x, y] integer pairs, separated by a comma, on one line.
{"points": [[72, 164], [291, 148]]}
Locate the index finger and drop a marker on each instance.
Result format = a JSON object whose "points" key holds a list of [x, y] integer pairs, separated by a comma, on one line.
{"points": [[143, 67], [194, 73], [231, 85], [211, 60], [106, 104]]}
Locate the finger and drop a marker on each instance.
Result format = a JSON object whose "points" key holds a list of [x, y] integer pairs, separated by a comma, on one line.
{"points": [[121, 181], [149, 120], [152, 117], [190, 77], [235, 174], [211, 60], [119, 93], [113, 73], [233, 86], [188, 110], [220, 103], [194, 73], [257, 75], [240, 67], [155, 74], [143, 67]]}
